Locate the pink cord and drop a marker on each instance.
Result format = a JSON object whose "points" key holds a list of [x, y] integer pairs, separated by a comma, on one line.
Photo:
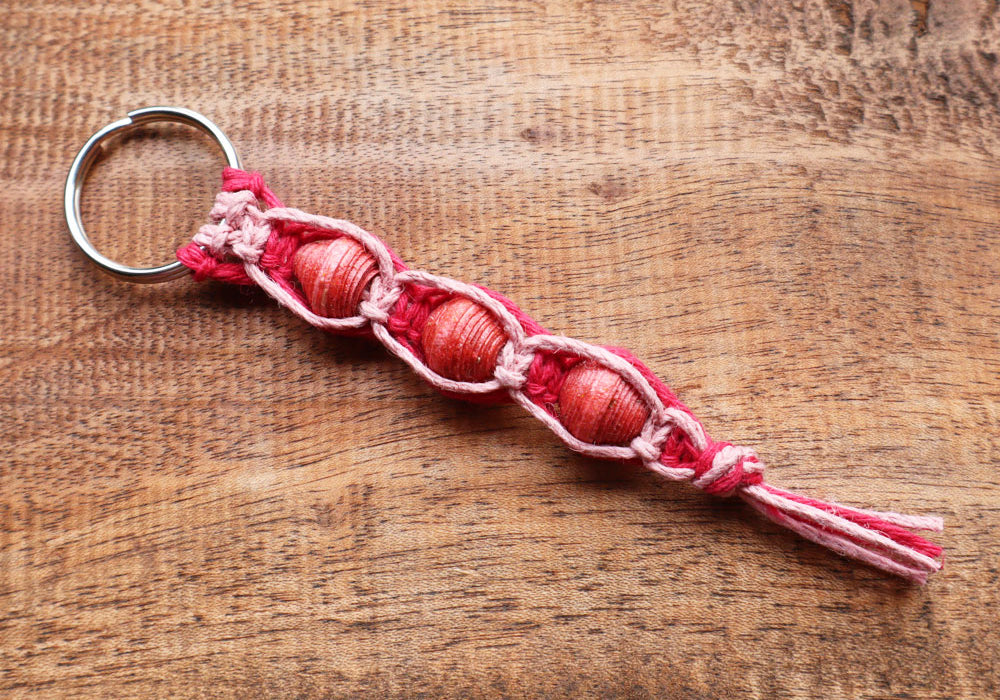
{"points": [[250, 245]]}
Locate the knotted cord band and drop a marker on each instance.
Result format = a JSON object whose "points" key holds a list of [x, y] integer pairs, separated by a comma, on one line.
{"points": [[253, 238]]}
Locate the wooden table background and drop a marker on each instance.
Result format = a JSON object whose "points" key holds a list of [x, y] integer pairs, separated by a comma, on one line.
{"points": [[788, 209]]}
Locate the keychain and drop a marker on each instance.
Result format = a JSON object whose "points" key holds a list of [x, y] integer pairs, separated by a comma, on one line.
{"points": [[472, 343]]}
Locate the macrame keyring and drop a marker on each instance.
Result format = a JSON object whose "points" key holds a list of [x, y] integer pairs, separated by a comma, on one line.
{"points": [[472, 343]]}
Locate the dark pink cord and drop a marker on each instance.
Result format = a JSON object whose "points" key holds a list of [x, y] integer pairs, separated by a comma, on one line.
{"points": [[253, 238]]}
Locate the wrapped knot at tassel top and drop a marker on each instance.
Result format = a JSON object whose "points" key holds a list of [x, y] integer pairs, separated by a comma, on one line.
{"points": [[473, 343]]}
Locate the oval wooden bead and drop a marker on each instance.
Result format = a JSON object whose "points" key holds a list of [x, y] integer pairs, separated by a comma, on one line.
{"points": [[461, 341], [334, 274], [597, 406]]}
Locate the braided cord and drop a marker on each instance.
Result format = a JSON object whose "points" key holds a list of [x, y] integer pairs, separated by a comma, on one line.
{"points": [[252, 245]]}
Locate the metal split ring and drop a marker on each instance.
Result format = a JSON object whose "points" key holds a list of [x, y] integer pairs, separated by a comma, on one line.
{"points": [[85, 159]]}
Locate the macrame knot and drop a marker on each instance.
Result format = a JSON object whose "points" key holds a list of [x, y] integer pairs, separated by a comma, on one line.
{"points": [[644, 449], [382, 297], [722, 468], [237, 229], [373, 311], [509, 379], [512, 367]]}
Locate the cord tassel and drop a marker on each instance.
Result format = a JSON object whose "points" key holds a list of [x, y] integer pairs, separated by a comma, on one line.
{"points": [[853, 533]]}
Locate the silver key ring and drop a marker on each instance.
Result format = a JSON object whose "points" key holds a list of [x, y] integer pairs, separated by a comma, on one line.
{"points": [[86, 157]]}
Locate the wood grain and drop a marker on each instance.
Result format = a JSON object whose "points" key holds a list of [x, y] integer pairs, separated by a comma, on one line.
{"points": [[789, 209]]}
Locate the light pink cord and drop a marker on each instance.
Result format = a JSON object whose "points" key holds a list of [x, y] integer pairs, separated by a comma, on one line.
{"points": [[242, 232]]}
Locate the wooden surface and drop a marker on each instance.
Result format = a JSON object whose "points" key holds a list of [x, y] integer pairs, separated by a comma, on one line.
{"points": [[788, 209]]}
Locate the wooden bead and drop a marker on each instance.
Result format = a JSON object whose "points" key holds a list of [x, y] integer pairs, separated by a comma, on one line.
{"points": [[597, 406], [334, 274], [461, 341]]}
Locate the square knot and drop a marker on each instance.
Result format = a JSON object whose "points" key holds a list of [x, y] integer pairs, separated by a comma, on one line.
{"points": [[382, 297], [238, 228], [722, 468], [645, 450], [373, 312], [512, 366]]}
